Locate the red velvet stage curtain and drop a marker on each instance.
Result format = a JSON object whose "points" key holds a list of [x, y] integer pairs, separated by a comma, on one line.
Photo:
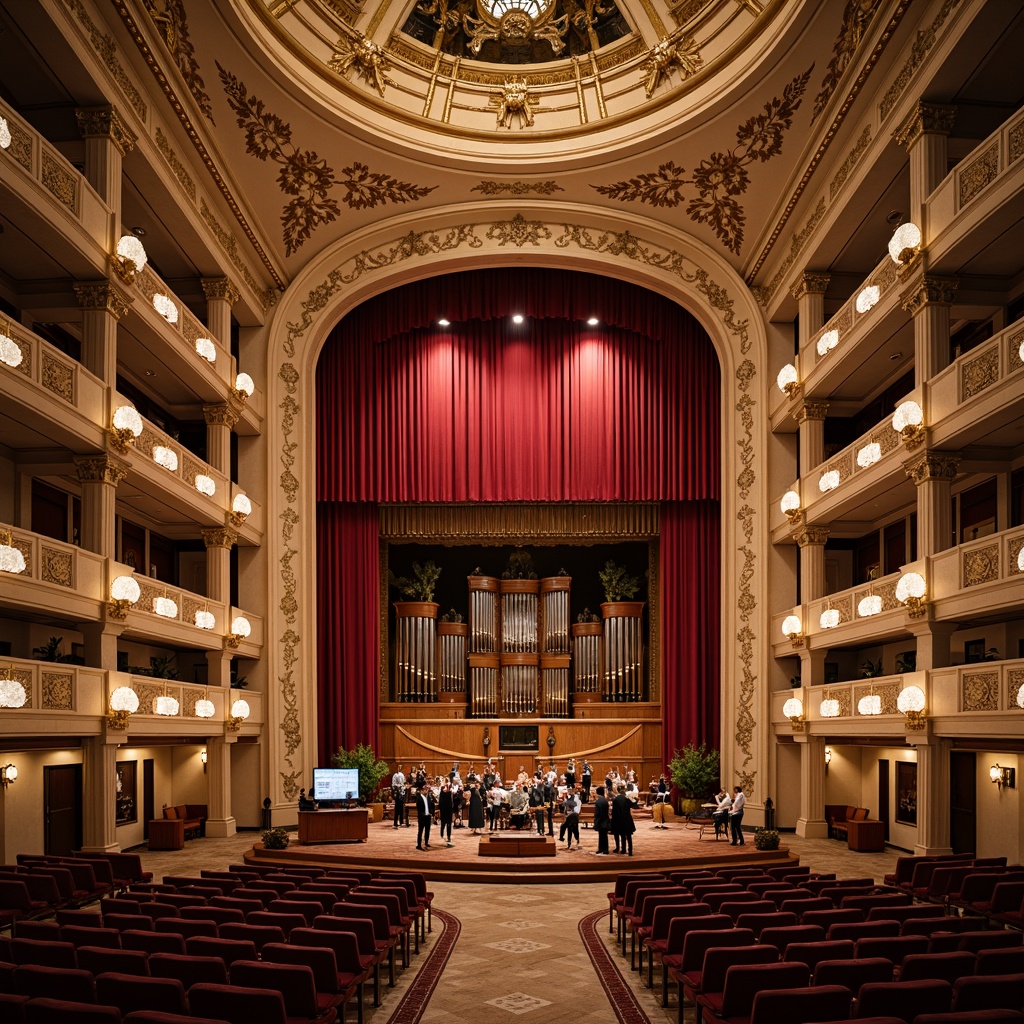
{"points": [[347, 625], [690, 614]]}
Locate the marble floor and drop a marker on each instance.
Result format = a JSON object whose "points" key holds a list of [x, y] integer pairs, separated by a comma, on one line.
{"points": [[519, 955]]}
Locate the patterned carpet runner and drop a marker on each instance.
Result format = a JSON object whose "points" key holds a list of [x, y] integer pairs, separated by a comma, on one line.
{"points": [[416, 997]]}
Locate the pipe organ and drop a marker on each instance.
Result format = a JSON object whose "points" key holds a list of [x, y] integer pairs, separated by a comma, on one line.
{"points": [[415, 651], [451, 669], [623, 651]]}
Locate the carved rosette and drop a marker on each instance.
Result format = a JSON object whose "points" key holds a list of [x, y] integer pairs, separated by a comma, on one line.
{"points": [[980, 691], [981, 565], [106, 122], [60, 182], [933, 466], [103, 469]]}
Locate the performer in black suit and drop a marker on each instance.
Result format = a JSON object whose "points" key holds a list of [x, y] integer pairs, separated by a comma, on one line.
{"points": [[586, 779], [602, 820], [537, 806], [424, 816], [622, 821]]}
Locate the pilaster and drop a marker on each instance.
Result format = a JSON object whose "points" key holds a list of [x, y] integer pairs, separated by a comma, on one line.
{"points": [[221, 295], [932, 796], [108, 139], [810, 416], [219, 542], [100, 475], [103, 305], [99, 789], [220, 420], [923, 134], [927, 299], [220, 822], [811, 824], [933, 473], [811, 541]]}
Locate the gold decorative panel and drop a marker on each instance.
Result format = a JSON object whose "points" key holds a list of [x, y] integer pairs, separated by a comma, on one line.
{"points": [[60, 182], [189, 696], [58, 691], [25, 547], [24, 676], [844, 605], [978, 174], [184, 178], [980, 691], [1013, 361], [147, 693], [58, 377], [978, 374], [1015, 143], [981, 565], [190, 469], [843, 464], [21, 146], [886, 439], [56, 567]]}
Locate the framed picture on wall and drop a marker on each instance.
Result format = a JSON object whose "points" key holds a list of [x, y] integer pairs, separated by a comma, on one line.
{"points": [[906, 792], [125, 793]]}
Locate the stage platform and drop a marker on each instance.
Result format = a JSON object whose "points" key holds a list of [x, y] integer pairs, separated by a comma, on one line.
{"points": [[675, 848]]}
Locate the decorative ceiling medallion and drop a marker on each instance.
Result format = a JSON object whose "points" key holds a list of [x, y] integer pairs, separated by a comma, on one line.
{"points": [[722, 176], [669, 54], [517, 188], [514, 102], [366, 57], [169, 18]]}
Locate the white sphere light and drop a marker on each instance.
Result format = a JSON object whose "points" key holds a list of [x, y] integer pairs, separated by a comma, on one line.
{"points": [[166, 607], [827, 342], [1020, 560], [126, 417], [1020, 697], [240, 626], [205, 485], [205, 709], [905, 237], [124, 698], [829, 618], [870, 605], [204, 619], [907, 414], [244, 383], [870, 705], [911, 698], [167, 706], [166, 457], [791, 625], [790, 501], [793, 708], [206, 348], [829, 708], [241, 504], [130, 248], [787, 375], [11, 559], [165, 306], [828, 481], [12, 694], [5, 133], [10, 351], [125, 588], [240, 709], [911, 584], [867, 298], [869, 455]]}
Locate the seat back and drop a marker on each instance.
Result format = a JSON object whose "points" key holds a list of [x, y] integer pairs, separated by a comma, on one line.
{"points": [[46, 930], [758, 922], [108, 938], [893, 948], [864, 930], [718, 960], [221, 915], [942, 966], [344, 945], [128, 992], [122, 922], [717, 897], [189, 970], [377, 916], [911, 911], [935, 925], [697, 943], [904, 999], [319, 959], [152, 942], [229, 950], [780, 938], [853, 973], [100, 960], [827, 918], [744, 981], [813, 953], [37, 981], [186, 927], [43, 952], [801, 1005], [1000, 961], [362, 930], [268, 919], [992, 992], [237, 1005], [293, 981], [258, 934], [66, 1011], [996, 938], [680, 927]]}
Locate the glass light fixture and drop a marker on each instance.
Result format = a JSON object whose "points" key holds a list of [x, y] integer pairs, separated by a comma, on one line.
{"points": [[166, 607], [131, 257], [239, 713], [10, 352], [1020, 560], [870, 605], [127, 426], [870, 705], [205, 709], [5, 133], [204, 619], [1020, 696], [518, 318], [1020, 352], [592, 321], [444, 322], [827, 342], [124, 592], [830, 618], [787, 380], [908, 414], [8, 774], [165, 306], [869, 455], [791, 626], [829, 708], [205, 485], [166, 457], [790, 504], [241, 507], [166, 706], [911, 584], [11, 558], [12, 692], [244, 387], [204, 757], [124, 702], [904, 243], [793, 709], [828, 481], [240, 629], [910, 703], [867, 297], [206, 348]]}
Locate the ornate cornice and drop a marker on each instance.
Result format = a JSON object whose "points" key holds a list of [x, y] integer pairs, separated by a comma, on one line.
{"points": [[101, 469], [810, 284], [811, 535], [219, 537], [220, 288], [105, 297], [925, 117], [928, 291], [811, 411], [933, 466], [222, 415], [106, 122]]}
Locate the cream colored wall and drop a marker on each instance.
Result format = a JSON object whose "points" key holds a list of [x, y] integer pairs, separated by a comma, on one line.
{"points": [[842, 782], [786, 793], [21, 819], [903, 836], [998, 819], [248, 786]]}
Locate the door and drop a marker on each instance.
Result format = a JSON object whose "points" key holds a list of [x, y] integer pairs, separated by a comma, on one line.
{"points": [[963, 801], [883, 797], [148, 803], [62, 808]]}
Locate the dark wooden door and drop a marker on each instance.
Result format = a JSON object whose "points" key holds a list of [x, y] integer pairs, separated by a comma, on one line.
{"points": [[963, 801], [62, 808], [883, 797], [148, 802]]}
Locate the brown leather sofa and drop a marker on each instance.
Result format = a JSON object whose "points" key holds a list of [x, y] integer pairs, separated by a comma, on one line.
{"points": [[837, 815], [193, 815]]}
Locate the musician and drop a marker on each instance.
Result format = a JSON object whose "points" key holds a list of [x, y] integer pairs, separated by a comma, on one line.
{"points": [[398, 795], [523, 778], [518, 803], [495, 795], [489, 776], [476, 809], [570, 774], [587, 778], [454, 772], [446, 808], [425, 805], [536, 803], [571, 824], [602, 821], [471, 776], [623, 826], [457, 801]]}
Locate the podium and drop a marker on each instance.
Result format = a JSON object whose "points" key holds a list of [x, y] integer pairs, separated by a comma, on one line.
{"points": [[334, 826]]}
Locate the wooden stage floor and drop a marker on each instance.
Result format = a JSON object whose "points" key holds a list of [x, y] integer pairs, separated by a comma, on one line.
{"points": [[674, 848]]}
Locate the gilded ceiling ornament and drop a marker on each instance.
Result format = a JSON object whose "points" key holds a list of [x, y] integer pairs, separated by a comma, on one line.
{"points": [[518, 231], [517, 188], [304, 175], [664, 58], [515, 25], [722, 176], [856, 19], [366, 57], [169, 18], [514, 101]]}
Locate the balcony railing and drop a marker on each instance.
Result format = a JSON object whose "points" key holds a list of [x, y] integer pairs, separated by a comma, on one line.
{"points": [[977, 372], [976, 564], [148, 688], [65, 567], [54, 687]]}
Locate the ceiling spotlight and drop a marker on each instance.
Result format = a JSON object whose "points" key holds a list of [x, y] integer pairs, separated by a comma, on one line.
{"points": [[444, 323], [593, 321], [518, 318]]}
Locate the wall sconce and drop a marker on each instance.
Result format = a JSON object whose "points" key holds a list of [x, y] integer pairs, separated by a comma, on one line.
{"points": [[127, 425], [827, 342], [12, 691], [829, 707], [905, 242], [124, 702], [204, 619], [870, 705], [1003, 776], [241, 508], [830, 618], [202, 757], [790, 505], [244, 387], [870, 605], [205, 484], [124, 593], [1020, 697], [165, 306], [793, 630], [166, 457], [869, 455], [793, 709], [240, 629], [828, 481], [910, 591], [8, 774], [910, 703], [166, 705], [828, 758], [205, 709], [166, 607], [788, 382], [206, 349], [908, 422], [130, 258], [5, 133], [868, 297], [10, 351], [239, 713], [11, 558]]}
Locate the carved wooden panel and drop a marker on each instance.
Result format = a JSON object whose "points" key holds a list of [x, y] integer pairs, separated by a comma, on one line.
{"points": [[982, 170], [980, 691], [980, 565], [56, 567], [978, 374], [58, 691]]}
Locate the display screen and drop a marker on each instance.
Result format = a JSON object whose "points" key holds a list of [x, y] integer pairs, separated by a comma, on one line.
{"points": [[335, 785]]}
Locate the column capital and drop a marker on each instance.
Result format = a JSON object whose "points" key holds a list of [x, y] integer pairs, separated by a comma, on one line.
{"points": [[928, 290], [810, 536], [933, 466], [220, 288], [222, 415], [811, 411], [105, 122], [103, 297], [220, 537], [101, 469], [924, 118], [810, 284]]}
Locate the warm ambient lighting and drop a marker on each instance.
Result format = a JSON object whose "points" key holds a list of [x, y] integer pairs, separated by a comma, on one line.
{"points": [[910, 704], [204, 619], [790, 504], [206, 348], [518, 318], [870, 605], [867, 298], [127, 426], [908, 422], [444, 323], [1020, 696], [5, 133], [593, 321], [8, 774], [870, 705], [830, 618], [166, 457], [910, 590], [788, 382], [10, 352], [241, 508], [793, 709], [124, 702], [130, 259], [203, 758], [166, 607], [11, 559], [869, 455], [793, 630], [12, 692], [829, 481], [827, 342], [904, 243], [244, 387], [1003, 776], [829, 708], [240, 629], [1020, 560], [828, 758], [165, 306], [205, 709], [239, 713], [205, 485], [124, 592], [166, 706]]}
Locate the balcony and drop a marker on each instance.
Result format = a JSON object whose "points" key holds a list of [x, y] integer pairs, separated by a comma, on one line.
{"points": [[848, 694], [186, 722], [969, 581]]}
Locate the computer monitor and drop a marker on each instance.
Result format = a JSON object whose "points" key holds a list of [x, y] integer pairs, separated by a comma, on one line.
{"points": [[335, 787]]}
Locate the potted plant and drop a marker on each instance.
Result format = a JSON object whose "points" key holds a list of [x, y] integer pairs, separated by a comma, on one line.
{"points": [[422, 584], [372, 772], [275, 839], [694, 772], [766, 839], [618, 584]]}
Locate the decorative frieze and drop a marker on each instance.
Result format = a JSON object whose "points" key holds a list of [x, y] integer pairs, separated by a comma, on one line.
{"points": [[56, 567], [980, 565], [982, 170], [101, 469], [924, 118], [175, 164], [928, 290], [933, 466], [57, 691], [978, 374], [106, 122], [60, 182]]}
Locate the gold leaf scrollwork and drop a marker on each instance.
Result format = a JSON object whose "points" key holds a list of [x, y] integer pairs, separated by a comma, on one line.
{"points": [[518, 232], [58, 377], [670, 54], [514, 103], [981, 565], [979, 173], [980, 691], [978, 374], [56, 567], [368, 59], [58, 691]]}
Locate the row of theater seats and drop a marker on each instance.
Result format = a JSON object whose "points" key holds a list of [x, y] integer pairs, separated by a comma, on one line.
{"points": [[754, 948], [289, 947]]}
